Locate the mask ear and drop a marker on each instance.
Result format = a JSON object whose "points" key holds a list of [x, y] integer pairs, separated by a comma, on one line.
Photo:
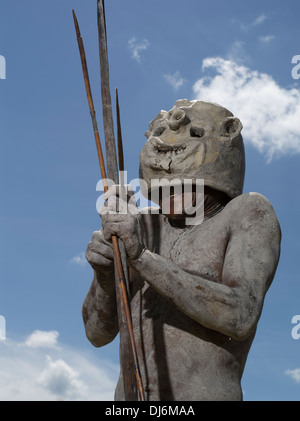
{"points": [[231, 128]]}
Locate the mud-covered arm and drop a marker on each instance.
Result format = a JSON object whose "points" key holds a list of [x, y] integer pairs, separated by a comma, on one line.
{"points": [[234, 306], [99, 309]]}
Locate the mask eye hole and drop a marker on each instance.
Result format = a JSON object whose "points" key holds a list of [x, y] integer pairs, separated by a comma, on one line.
{"points": [[159, 131], [197, 132]]}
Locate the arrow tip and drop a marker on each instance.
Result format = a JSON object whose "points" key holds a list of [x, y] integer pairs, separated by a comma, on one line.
{"points": [[76, 23]]}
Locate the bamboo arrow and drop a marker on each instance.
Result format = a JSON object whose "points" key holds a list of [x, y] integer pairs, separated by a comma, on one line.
{"points": [[90, 101], [121, 288]]}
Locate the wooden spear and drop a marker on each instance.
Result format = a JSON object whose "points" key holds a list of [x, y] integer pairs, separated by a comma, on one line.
{"points": [[121, 289]]}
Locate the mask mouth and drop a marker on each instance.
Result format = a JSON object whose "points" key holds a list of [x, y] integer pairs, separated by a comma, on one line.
{"points": [[165, 156], [163, 148]]}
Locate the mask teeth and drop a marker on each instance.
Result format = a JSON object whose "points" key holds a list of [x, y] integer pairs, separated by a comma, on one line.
{"points": [[169, 149]]}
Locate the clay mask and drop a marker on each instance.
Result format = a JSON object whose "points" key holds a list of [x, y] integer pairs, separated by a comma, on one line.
{"points": [[195, 140]]}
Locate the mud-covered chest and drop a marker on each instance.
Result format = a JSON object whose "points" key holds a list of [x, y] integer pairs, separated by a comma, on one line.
{"points": [[199, 250]]}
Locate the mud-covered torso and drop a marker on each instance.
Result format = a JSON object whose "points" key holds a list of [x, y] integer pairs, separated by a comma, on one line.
{"points": [[175, 351]]}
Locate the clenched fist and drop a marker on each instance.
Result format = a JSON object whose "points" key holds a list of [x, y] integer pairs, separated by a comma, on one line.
{"points": [[99, 252], [121, 217]]}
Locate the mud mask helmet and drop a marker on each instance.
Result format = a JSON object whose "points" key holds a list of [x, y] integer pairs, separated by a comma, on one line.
{"points": [[195, 140]]}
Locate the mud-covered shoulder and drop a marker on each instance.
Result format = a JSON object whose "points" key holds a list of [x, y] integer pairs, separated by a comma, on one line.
{"points": [[253, 212]]}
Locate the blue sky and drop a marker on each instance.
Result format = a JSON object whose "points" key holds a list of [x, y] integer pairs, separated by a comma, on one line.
{"points": [[237, 54]]}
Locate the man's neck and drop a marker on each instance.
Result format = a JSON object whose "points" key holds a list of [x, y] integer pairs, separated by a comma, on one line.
{"points": [[214, 202]]}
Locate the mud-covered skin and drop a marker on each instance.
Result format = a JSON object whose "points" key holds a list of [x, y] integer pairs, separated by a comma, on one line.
{"points": [[196, 291], [197, 295]]}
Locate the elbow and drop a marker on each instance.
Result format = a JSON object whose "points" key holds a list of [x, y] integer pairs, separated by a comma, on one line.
{"points": [[242, 334], [243, 329], [99, 340], [243, 321], [99, 337], [97, 334]]}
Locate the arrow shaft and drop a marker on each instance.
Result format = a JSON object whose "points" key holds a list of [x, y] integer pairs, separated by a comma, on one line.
{"points": [[90, 101]]}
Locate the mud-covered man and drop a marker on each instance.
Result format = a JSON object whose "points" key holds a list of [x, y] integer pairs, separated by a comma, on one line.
{"points": [[197, 291]]}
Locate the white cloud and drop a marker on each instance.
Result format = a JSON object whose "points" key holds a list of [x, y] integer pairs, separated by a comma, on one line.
{"points": [[61, 380], [259, 20], [250, 25], [175, 80], [62, 373], [79, 260], [42, 339], [266, 39], [269, 113], [294, 374], [136, 47], [238, 53]]}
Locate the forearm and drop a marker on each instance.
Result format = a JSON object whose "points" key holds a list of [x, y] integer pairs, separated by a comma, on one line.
{"points": [[99, 309], [213, 305]]}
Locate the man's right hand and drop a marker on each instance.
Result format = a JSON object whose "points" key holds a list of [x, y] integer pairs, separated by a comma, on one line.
{"points": [[99, 252]]}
